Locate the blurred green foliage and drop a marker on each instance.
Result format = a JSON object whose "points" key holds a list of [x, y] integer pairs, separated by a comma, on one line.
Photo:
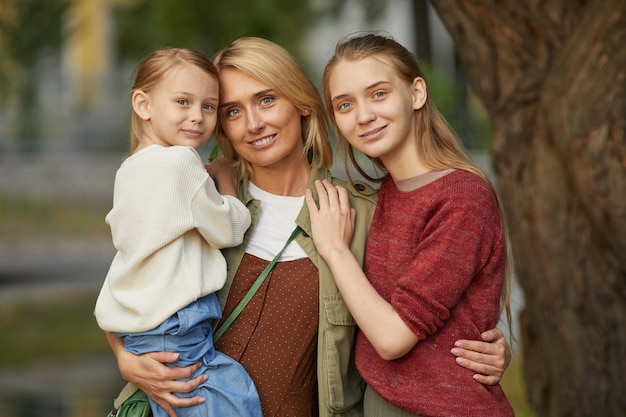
{"points": [[28, 29], [52, 328], [208, 26], [29, 217], [461, 108]]}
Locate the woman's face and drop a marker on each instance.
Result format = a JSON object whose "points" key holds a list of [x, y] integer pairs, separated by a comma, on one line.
{"points": [[373, 107], [262, 125]]}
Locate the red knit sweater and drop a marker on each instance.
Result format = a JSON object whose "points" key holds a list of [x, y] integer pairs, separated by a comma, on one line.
{"points": [[437, 254]]}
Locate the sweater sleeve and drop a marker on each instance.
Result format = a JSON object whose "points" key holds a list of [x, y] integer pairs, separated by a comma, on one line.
{"points": [[461, 238], [221, 220]]}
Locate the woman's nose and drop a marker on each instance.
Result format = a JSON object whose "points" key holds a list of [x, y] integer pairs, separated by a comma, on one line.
{"points": [[255, 121]]}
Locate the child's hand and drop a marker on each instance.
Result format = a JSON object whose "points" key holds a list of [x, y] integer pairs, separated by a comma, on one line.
{"points": [[332, 224], [224, 173]]}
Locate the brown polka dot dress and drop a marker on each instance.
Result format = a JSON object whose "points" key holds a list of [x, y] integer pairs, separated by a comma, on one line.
{"points": [[275, 337]]}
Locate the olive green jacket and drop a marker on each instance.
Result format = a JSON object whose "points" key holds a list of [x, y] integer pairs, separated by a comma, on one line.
{"points": [[340, 386]]}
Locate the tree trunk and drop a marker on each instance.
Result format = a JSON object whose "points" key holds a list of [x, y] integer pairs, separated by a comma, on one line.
{"points": [[552, 75]]}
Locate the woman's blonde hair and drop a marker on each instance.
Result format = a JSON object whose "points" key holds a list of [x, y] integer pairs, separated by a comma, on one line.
{"points": [[271, 64], [437, 145], [153, 69]]}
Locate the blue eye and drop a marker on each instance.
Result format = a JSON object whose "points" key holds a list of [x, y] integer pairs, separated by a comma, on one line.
{"points": [[267, 100]]}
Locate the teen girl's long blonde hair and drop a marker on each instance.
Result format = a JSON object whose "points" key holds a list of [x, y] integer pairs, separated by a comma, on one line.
{"points": [[153, 69], [271, 64], [437, 146]]}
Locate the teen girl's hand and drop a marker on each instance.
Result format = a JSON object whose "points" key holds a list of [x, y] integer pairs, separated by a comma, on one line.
{"points": [[331, 227], [489, 358], [159, 381], [332, 224]]}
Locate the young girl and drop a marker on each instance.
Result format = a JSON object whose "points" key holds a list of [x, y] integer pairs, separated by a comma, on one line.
{"points": [[436, 253], [168, 224]]}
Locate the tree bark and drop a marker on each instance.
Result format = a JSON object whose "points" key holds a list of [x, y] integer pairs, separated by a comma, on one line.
{"points": [[552, 75]]}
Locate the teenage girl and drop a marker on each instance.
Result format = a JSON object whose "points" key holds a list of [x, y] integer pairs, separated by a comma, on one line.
{"points": [[435, 258]]}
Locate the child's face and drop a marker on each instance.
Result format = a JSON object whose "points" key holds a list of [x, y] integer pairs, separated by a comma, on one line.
{"points": [[373, 107], [182, 109]]}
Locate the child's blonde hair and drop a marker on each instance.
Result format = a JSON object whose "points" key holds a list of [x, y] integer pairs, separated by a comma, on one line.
{"points": [[153, 69]]}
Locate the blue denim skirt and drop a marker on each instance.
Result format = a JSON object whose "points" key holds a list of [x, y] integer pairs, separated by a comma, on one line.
{"points": [[229, 390]]}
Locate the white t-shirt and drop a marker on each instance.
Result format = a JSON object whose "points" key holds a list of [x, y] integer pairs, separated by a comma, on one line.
{"points": [[276, 221]]}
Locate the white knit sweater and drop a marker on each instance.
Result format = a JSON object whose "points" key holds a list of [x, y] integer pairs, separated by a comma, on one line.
{"points": [[168, 223]]}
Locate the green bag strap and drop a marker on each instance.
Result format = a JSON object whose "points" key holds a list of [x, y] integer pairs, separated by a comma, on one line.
{"points": [[253, 289]]}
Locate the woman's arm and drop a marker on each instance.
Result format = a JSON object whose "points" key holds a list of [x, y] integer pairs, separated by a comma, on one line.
{"points": [[332, 227], [157, 380]]}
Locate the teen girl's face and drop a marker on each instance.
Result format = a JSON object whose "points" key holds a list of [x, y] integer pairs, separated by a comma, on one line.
{"points": [[181, 110], [263, 126], [373, 108]]}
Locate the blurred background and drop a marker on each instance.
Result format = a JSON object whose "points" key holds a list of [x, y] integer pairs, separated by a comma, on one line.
{"points": [[65, 71]]}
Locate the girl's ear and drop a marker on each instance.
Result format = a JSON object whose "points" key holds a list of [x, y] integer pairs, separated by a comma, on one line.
{"points": [[420, 93], [141, 104]]}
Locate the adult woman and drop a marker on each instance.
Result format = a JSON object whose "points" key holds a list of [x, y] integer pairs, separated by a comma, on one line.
{"points": [[273, 124]]}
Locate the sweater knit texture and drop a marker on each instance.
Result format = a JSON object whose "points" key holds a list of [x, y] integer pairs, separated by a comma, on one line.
{"points": [[437, 254], [168, 224]]}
